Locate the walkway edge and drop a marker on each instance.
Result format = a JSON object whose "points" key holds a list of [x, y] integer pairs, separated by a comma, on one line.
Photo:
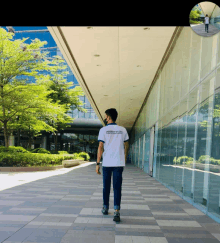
{"points": [[36, 168]]}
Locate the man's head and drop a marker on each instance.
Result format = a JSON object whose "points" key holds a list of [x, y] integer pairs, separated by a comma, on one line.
{"points": [[111, 115], [206, 15]]}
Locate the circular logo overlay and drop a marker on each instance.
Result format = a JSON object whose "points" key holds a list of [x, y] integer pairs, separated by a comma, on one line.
{"points": [[204, 19]]}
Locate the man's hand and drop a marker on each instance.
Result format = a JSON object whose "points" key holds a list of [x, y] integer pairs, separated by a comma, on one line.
{"points": [[97, 170]]}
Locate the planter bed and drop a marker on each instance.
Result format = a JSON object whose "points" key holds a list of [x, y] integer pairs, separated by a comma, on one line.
{"points": [[65, 164]]}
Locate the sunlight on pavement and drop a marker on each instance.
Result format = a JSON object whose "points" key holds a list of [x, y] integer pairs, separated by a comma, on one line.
{"points": [[12, 179]]}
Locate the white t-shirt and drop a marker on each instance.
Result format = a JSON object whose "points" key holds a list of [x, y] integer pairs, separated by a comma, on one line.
{"points": [[206, 20], [113, 137]]}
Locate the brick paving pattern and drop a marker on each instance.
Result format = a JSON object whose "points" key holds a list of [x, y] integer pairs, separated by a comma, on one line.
{"points": [[66, 208], [200, 30]]}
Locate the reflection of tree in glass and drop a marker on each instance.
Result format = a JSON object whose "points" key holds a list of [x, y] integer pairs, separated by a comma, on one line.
{"points": [[216, 113], [203, 122]]}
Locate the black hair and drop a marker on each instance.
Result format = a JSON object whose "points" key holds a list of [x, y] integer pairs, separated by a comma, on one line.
{"points": [[112, 113], [206, 14]]}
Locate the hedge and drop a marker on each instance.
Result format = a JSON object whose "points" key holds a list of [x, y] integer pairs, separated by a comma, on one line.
{"points": [[84, 155], [18, 156], [8, 159], [13, 149], [40, 150], [202, 160]]}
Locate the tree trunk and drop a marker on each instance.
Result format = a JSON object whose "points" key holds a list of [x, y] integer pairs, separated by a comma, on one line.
{"points": [[18, 137], [6, 135], [56, 135], [29, 140]]}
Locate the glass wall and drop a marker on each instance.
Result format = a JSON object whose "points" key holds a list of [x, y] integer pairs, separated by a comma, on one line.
{"points": [[215, 18], [147, 151], [187, 118], [74, 143], [141, 153], [214, 180]]}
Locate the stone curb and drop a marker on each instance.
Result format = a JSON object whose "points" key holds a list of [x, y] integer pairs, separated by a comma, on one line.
{"points": [[65, 164]]}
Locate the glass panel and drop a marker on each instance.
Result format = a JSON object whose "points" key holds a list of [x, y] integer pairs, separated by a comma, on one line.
{"points": [[171, 144], [190, 144], [137, 150], [87, 115], [202, 148], [141, 153], [195, 56], [131, 153], [214, 182], [217, 82], [155, 150], [206, 56], [135, 161], [164, 159], [185, 49], [158, 158], [147, 151], [139, 146], [179, 160]]}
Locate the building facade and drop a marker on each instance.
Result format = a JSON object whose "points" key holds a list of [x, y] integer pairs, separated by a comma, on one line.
{"points": [[177, 134]]}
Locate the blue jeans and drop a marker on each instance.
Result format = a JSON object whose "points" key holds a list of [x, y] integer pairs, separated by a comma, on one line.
{"points": [[206, 27], [117, 185]]}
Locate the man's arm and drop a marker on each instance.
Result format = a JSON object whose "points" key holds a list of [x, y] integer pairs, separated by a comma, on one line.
{"points": [[126, 150], [100, 151]]}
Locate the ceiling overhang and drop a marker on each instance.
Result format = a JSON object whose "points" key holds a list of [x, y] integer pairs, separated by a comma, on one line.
{"points": [[120, 77], [207, 8]]}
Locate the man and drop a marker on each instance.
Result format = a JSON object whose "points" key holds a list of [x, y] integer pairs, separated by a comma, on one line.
{"points": [[114, 140], [206, 23]]}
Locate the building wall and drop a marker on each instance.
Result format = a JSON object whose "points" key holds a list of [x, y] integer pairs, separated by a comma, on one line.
{"points": [[184, 109], [215, 18]]}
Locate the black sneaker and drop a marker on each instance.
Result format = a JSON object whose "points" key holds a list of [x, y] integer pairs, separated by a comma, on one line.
{"points": [[116, 216], [104, 211]]}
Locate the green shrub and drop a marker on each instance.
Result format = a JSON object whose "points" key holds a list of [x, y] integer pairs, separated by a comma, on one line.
{"points": [[203, 158], [181, 159], [31, 159], [217, 162], [13, 149], [63, 152], [84, 155], [195, 22], [40, 150], [189, 162]]}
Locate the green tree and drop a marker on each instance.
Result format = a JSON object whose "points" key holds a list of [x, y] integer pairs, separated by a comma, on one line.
{"points": [[18, 62], [62, 93], [31, 104], [194, 14]]}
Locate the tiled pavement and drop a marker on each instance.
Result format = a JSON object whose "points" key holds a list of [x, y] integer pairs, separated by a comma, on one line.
{"points": [[200, 30], [67, 208]]}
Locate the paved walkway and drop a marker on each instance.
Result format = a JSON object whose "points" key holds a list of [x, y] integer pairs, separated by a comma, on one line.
{"points": [[200, 30], [66, 208]]}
